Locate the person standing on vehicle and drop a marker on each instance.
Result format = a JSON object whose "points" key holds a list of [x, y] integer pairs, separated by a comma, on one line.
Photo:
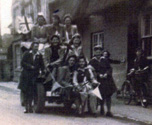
{"points": [[107, 87], [33, 66], [39, 32], [75, 47], [70, 29], [56, 28], [53, 55]]}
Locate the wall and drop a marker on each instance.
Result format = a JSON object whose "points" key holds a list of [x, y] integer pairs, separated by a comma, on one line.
{"points": [[115, 30]]}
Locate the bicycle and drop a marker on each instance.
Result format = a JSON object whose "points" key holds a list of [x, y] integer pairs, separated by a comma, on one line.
{"points": [[135, 87]]}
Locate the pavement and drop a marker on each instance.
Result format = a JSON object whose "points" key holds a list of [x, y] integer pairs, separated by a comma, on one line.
{"points": [[130, 112]]}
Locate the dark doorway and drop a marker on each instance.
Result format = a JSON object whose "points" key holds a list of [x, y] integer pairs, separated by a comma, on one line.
{"points": [[132, 44]]}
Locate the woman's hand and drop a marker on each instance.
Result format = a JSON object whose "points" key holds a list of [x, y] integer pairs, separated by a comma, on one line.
{"points": [[88, 87], [101, 76], [105, 75]]}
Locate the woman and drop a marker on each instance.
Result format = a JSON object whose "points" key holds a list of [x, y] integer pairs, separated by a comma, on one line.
{"points": [[141, 63], [39, 32], [65, 73], [107, 87], [70, 29], [65, 79], [85, 81], [106, 54], [56, 28], [53, 55], [75, 47]]}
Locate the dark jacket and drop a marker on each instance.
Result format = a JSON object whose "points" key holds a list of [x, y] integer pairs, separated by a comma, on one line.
{"points": [[102, 66], [28, 74], [141, 63]]}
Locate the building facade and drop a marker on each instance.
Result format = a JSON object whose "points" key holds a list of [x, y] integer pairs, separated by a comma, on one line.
{"points": [[120, 26]]}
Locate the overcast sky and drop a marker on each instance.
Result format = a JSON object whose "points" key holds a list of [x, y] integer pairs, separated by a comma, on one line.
{"points": [[6, 18]]}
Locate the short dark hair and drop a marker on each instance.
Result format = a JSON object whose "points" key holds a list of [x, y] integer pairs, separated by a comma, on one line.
{"points": [[71, 56], [82, 57], [33, 43], [57, 36]]}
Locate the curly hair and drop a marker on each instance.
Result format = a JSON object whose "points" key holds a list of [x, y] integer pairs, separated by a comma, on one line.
{"points": [[107, 53]]}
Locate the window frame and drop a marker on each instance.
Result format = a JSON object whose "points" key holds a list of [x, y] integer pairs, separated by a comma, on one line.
{"points": [[92, 45], [146, 39]]}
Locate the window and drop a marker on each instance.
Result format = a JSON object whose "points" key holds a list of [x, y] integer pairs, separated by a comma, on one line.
{"points": [[146, 32], [96, 39]]}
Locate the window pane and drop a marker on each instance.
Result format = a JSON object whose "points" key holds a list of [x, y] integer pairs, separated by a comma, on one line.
{"points": [[97, 39], [147, 25]]}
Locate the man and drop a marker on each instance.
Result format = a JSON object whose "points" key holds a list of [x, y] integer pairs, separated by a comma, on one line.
{"points": [[56, 28], [32, 64]]}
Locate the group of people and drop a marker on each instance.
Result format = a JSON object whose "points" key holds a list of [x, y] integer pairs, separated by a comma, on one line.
{"points": [[65, 61]]}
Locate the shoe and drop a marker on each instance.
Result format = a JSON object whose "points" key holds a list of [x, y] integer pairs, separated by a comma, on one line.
{"points": [[109, 114], [30, 110], [95, 115], [25, 111], [80, 110]]}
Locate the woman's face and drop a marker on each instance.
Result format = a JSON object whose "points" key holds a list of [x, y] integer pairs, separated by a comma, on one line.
{"points": [[40, 21], [55, 20], [55, 41], [82, 63], [105, 54], [71, 61], [138, 53], [76, 42], [67, 21]]}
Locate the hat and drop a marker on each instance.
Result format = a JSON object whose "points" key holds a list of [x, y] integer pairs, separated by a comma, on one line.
{"points": [[76, 35], [57, 36], [40, 14], [98, 47], [67, 16]]}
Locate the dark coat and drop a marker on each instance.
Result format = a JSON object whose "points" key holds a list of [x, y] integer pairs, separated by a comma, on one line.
{"points": [[141, 63], [49, 56], [102, 66], [28, 74]]}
